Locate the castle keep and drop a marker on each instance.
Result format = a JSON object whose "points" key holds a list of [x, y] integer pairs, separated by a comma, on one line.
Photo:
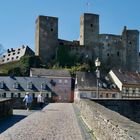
{"points": [[117, 51]]}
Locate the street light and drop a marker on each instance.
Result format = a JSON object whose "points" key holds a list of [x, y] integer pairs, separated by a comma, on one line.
{"points": [[97, 64]]}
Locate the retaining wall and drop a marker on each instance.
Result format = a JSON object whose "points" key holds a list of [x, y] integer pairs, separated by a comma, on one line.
{"points": [[5, 108]]}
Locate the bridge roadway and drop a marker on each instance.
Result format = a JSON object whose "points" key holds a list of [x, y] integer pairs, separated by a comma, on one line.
{"points": [[56, 121]]}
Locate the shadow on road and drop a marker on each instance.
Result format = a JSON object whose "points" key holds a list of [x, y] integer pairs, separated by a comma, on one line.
{"points": [[10, 121]]}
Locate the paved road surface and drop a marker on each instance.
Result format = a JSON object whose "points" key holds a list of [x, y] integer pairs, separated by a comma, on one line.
{"points": [[18, 115], [55, 122]]}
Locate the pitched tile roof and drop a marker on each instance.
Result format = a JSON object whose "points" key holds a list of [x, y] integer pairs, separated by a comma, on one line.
{"points": [[49, 72], [127, 77], [23, 83]]}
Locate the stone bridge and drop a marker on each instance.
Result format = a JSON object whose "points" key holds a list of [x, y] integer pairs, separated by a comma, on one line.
{"points": [[107, 124], [82, 120]]}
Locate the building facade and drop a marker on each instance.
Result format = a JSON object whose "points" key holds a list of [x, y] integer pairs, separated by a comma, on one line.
{"points": [[86, 87], [117, 51], [60, 82], [12, 54], [127, 82]]}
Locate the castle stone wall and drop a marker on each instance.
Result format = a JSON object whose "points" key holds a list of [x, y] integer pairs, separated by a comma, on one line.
{"points": [[46, 39]]}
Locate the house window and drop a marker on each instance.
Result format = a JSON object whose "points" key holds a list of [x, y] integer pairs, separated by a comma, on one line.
{"points": [[12, 95], [19, 94], [18, 52], [118, 53], [130, 90], [16, 85], [7, 59], [9, 54], [65, 81], [107, 95], [30, 85], [93, 95], [51, 29], [101, 96], [60, 81], [113, 95], [33, 94], [16, 57], [13, 53], [43, 86], [91, 25], [4, 95], [107, 54], [1, 85]]}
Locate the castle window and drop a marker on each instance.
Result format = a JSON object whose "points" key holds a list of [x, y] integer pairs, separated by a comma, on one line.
{"points": [[61, 43], [91, 25], [108, 44], [118, 53], [107, 54], [51, 29], [16, 57], [130, 42], [12, 58], [3, 55], [13, 53], [18, 52], [9, 54], [3, 60], [7, 59]]}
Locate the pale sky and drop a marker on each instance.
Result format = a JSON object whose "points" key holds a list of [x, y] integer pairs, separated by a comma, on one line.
{"points": [[17, 18]]}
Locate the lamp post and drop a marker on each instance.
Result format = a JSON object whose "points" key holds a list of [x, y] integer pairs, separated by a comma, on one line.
{"points": [[97, 64]]}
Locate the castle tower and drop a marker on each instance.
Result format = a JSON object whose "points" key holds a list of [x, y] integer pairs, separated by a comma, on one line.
{"points": [[46, 37], [131, 44], [89, 29]]}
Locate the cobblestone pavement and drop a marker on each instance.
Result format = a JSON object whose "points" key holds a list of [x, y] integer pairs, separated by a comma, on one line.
{"points": [[55, 122]]}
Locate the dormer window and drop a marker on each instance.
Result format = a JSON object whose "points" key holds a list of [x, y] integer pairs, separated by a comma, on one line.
{"points": [[30, 85], [43, 86], [16, 85], [1, 85]]}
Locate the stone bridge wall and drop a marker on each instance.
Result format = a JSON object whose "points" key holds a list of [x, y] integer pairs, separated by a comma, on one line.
{"points": [[5, 108], [107, 124], [126, 107]]}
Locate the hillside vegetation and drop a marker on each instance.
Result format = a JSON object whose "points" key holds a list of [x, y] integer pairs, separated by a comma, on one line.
{"points": [[20, 68]]}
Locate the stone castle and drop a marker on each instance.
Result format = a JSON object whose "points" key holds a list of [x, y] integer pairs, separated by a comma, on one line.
{"points": [[117, 51]]}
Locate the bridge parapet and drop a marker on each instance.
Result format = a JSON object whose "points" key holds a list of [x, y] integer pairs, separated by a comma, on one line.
{"points": [[107, 124], [5, 108]]}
